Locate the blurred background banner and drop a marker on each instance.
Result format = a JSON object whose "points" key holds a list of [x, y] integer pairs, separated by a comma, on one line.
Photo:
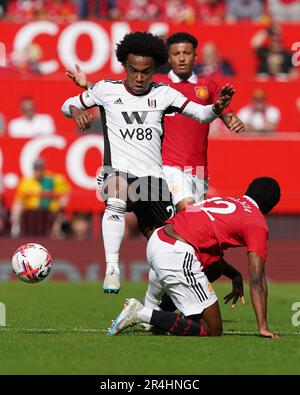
{"points": [[78, 158], [83, 260], [39, 52], [233, 162], [59, 46]]}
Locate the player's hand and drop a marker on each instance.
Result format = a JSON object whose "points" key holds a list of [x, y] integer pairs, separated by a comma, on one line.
{"points": [[267, 333], [236, 125], [83, 119], [224, 99], [233, 123], [237, 291], [78, 77]]}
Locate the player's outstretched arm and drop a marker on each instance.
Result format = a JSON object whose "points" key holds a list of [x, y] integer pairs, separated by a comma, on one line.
{"points": [[223, 268], [237, 284], [73, 108], [79, 77], [210, 112], [259, 294]]}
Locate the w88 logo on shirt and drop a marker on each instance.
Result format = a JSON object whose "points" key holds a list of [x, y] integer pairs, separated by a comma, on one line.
{"points": [[136, 133]]}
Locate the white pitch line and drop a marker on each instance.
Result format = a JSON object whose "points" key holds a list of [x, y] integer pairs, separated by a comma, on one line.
{"points": [[50, 330], [256, 333], [83, 330]]}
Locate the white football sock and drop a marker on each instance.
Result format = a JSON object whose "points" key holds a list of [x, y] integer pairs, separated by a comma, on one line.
{"points": [[144, 315], [113, 227]]}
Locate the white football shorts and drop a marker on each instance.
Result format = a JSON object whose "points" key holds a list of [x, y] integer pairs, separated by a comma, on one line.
{"points": [[180, 273], [183, 184]]}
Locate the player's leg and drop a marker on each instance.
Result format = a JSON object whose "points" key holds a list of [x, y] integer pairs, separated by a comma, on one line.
{"points": [[152, 214], [180, 185], [154, 206], [211, 320], [180, 272], [209, 323], [185, 189], [188, 189], [155, 291], [113, 227], [134, 312]]}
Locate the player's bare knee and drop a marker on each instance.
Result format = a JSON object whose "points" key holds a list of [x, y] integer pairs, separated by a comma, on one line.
{"points": [[115, 187], [213, 328], [216, 330]]}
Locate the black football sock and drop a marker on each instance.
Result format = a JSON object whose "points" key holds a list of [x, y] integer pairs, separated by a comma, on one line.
{"points": [[167, 303], [174, 323]]}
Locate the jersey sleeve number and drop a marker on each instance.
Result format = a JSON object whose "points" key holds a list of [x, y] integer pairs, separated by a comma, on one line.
{"points": [[228, 207]]}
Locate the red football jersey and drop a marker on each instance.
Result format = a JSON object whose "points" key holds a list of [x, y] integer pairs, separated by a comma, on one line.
{"points": [[185, 140], [216, 224]]}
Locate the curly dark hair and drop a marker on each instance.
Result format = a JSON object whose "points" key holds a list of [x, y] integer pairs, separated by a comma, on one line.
{"points": [[265, 191], [142, 44], [182, 37]]}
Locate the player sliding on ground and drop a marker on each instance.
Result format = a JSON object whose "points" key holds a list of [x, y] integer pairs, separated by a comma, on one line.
{"points": [[194, 238], [132, 112]]}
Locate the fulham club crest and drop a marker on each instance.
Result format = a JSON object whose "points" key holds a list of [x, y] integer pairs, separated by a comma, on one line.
{"points": [[152, 103], [201, 92]]}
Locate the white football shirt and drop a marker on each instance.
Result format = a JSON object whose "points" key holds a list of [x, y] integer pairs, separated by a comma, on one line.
{"points": [[133, 124]]}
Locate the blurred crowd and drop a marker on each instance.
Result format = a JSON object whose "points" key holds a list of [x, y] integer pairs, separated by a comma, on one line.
{"points": [[176, 11], [39, 208], [274, 63]]}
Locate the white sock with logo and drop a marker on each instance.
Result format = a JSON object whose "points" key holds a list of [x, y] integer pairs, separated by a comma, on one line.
{"points": [[113, 227]]}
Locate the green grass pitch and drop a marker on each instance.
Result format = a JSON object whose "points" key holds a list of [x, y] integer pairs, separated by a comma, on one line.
{"points": [[58, 328]]}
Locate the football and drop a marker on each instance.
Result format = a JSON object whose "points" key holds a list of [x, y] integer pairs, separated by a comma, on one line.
{"points": [[32, 263]]}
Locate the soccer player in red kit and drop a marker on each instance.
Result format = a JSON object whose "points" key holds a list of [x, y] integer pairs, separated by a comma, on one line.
{"points": [[193, 239], [184, 149]]}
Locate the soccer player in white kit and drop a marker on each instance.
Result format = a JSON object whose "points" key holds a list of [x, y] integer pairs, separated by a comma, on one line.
{"points": [[132, 113]]}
